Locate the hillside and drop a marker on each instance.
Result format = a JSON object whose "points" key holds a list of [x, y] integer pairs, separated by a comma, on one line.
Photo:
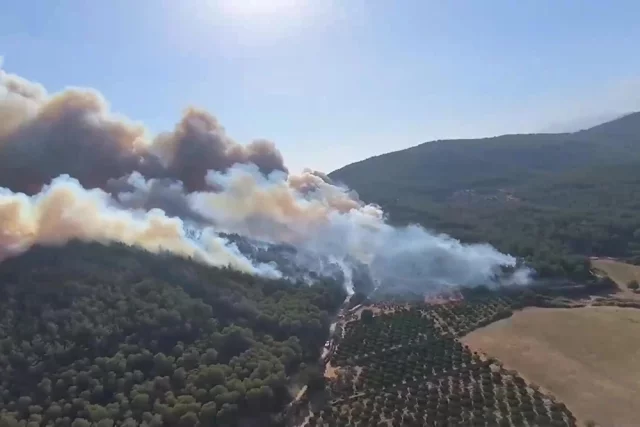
{"points": [[104, 336], [438, 168], [112, 334], [554, 198]]}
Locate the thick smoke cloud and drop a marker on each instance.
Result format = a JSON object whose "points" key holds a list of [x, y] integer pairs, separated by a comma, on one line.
{"points": [[135, 192], [199, 143], [70, 132], [65, 211], [70, 169], [325, 219], [73, 132]]}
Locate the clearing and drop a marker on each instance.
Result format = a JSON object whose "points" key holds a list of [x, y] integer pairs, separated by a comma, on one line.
{"points": [[586, 357], [620, 272]]}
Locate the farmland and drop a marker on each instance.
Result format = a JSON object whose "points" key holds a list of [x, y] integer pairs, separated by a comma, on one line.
{"points": [[587, 357], [489, 359], [406, 366]]}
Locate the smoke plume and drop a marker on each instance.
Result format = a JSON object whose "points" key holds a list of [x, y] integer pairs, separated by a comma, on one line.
{"points": [[66, 211], [42, 137], [71, 169]]}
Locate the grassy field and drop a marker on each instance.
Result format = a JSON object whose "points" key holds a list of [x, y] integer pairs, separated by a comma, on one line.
{"points": [[587, 357], [620, 272]]}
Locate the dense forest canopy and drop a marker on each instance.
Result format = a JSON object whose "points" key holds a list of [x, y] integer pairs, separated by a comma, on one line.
{"points": [[112, 334], [552, 198]]}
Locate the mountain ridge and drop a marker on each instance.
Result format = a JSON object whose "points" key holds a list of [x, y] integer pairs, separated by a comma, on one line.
{"points": [[555, 199], [627, 127]]}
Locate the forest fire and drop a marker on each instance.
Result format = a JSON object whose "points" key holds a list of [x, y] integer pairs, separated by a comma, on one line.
{"points": [[444, 297]]}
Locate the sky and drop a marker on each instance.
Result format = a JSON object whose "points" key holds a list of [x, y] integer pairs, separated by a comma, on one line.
{"points": [[333, 82]]}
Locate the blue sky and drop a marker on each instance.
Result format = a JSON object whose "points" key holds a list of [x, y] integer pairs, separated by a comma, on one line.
{"points": [[332, 82]]}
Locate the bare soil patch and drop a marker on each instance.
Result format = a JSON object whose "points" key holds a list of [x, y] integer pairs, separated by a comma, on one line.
{"points": [[330, 372], [589, 358]]}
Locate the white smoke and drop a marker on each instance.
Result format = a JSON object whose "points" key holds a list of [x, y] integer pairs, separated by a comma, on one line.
{"points": [[248, 203], [65, 211], [326, 221], [180, 191]]}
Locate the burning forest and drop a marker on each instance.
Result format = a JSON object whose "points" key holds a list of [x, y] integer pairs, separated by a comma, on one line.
{"points": [[70, 169]]}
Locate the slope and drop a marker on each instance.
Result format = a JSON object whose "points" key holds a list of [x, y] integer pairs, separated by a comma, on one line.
{"points": [[101, 334], [438, 167], [543, 196]]}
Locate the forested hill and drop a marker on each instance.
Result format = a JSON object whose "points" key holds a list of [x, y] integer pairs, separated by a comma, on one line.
{"points": [[97, 335], [554, 198]]}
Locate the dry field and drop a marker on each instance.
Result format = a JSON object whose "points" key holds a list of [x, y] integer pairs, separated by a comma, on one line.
{"points": [[589, 358], [620, 272]]}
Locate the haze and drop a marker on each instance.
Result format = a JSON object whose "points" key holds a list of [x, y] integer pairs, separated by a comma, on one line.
{"points": [[335, 82]]}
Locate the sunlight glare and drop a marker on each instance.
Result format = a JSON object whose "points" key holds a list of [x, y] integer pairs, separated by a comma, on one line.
{"points": [[262, 8]]}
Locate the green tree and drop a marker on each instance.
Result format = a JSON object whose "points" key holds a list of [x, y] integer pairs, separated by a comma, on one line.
{"points": [[366, 316], [97, 324], [80, 422], [313, 376]]}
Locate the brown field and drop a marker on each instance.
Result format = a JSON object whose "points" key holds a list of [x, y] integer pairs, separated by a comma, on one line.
{"points": [[589, 358], [620, 272]]}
